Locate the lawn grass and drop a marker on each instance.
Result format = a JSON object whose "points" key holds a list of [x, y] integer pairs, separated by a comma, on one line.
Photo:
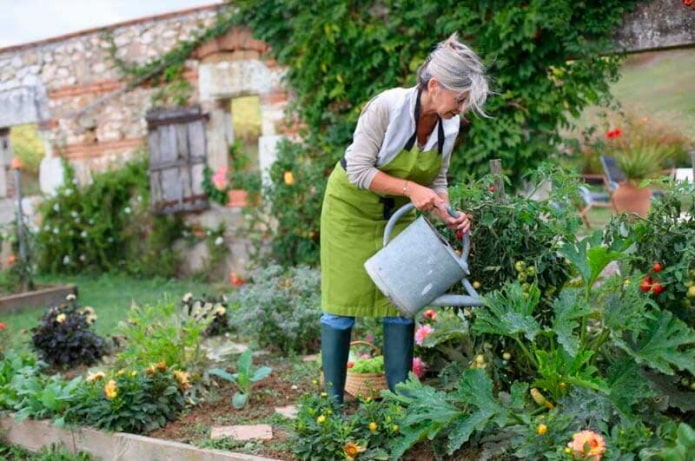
{"points": [[111, 297]]}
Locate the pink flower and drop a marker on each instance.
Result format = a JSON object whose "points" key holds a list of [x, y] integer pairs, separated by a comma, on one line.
{"points": [[2, 326], [422, 333], [219, 179], [429, 314], [587, 446], [419, 367]]}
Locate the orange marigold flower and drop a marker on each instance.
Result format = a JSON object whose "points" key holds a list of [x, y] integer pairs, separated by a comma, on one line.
{"points": [[351, 450], [587, 446]]}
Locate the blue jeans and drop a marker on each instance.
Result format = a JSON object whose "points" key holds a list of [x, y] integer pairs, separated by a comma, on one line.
{"points": [[344, 322]]}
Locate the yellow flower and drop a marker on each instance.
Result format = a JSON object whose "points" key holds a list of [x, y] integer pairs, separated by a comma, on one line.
{"points": [[351, 449], [373, 426], [133, 373], [110, 390], [161, 366], [395, 428], [120, 373], [321, 419], [61, 318], [220, 310], [542, 429], [323, 394], [182, 379], [289, 178], [96, 376], [91, 319], [88, 310]]}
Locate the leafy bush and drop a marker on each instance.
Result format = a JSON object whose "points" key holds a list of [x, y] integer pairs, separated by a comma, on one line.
{"points": [[212, 308], [517, 238], [64, 337], [280, 309], [322, 433], [664, 249], [165, 332], [106, 226], [595, 364], [52, 453], [130, 400]]}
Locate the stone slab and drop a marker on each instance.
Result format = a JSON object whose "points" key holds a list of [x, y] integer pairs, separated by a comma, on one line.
{"points": [[289, 412], [248, 432]]}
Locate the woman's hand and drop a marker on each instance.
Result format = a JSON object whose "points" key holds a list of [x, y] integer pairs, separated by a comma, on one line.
{"points": [[460, 223], [424, 198]]}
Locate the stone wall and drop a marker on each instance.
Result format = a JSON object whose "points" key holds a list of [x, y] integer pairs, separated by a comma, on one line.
{"points": [[71, 88]]}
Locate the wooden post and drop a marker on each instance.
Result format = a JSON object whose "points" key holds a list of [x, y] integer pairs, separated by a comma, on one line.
{"points": [[692, 162], [25, 277], [496, 169]]}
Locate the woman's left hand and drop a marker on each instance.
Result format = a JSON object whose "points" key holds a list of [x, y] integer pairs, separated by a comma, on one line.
{"points": [[460, 223]]}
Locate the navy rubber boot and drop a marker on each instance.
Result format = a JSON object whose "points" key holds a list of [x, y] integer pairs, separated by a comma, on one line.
{"points": [[398, 352], [335, 347]]}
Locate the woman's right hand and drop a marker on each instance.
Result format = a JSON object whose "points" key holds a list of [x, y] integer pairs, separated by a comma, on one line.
{"points": [[424, 198]]}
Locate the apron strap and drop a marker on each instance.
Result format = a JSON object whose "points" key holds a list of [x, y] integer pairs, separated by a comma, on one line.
{"points": [[440, 129]]}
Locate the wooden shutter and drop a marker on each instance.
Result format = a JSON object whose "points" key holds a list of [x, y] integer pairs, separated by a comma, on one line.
{"points": [[177, 148]]}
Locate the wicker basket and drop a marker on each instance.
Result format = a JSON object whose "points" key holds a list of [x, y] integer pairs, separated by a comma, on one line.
{"points": [[365, 385]]}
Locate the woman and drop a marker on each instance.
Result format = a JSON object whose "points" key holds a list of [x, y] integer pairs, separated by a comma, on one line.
{"points": [[400, 152]]}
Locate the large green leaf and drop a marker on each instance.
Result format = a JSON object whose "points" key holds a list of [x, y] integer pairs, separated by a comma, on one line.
{"points": [[476, 390], [665, 345], [557, 366], [509, 312], [568, 308], [589, 257]]}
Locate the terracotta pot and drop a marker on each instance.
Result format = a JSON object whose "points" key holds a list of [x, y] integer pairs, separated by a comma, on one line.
{"points": [[237, 198], [631, 199]]}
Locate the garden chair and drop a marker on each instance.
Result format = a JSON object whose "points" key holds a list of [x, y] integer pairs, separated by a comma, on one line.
{"points": [[590, 200]]}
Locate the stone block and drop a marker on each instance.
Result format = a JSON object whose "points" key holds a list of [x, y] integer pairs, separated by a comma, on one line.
{"points": [[248, 432]]}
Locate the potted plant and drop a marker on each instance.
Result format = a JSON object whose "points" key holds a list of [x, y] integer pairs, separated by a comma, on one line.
{"points": [[638, 164]]}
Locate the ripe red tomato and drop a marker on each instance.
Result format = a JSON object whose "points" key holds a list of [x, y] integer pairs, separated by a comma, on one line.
{"points": [[645, 285], [657, 267], [492, 188], [459, 234], [657, 288]]}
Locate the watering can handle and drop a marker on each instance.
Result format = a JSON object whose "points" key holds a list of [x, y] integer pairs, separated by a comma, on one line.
{"points": [[407, 208]]}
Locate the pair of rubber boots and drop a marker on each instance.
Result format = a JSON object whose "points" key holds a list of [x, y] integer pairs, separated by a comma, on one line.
{"points": [[335, 348]]}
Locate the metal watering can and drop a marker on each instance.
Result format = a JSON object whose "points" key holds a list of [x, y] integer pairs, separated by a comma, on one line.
{"points": [[415, 269]]}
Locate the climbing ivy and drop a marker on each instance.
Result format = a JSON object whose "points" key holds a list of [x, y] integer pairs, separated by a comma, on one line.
{"points": [[166, 71], [546, 60]]}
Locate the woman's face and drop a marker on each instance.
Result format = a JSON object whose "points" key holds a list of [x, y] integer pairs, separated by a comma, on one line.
{"points": [[445, 102]]}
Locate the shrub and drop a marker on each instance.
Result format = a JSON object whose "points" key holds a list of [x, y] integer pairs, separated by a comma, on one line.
{"points": [[165, 332], [107, 226], [664, 249], [64, 337], [130, 400], [280, 309], [517, 238], [212, 308], [323, 433]]}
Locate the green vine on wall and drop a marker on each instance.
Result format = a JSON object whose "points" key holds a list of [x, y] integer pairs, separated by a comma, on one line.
{"points": [[546, 60], [166, 71]]}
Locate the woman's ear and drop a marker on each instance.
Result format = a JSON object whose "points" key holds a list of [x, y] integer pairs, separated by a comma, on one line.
{"points": [[432, 84]]}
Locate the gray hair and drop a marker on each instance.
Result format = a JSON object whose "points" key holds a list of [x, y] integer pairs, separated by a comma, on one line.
{"points": [[458, 69]]}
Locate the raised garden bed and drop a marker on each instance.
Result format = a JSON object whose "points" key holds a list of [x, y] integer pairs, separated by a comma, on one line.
{"points": [[44, 295]]}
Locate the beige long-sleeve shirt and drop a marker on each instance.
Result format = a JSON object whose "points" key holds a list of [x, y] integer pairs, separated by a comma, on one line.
{"points": [[386, 124]]}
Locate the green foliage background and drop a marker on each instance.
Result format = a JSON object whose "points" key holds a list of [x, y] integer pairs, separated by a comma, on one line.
{"points": [[546, 61]]}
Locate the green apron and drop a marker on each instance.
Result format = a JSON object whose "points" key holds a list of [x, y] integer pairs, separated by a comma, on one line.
{"points": [[352, 230]]}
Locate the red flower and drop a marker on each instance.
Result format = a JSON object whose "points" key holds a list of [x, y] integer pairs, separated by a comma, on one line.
{"points": [[2, 326], [687, 2], [429, 314], [235, 279], [492, 189], [615, 133]]}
